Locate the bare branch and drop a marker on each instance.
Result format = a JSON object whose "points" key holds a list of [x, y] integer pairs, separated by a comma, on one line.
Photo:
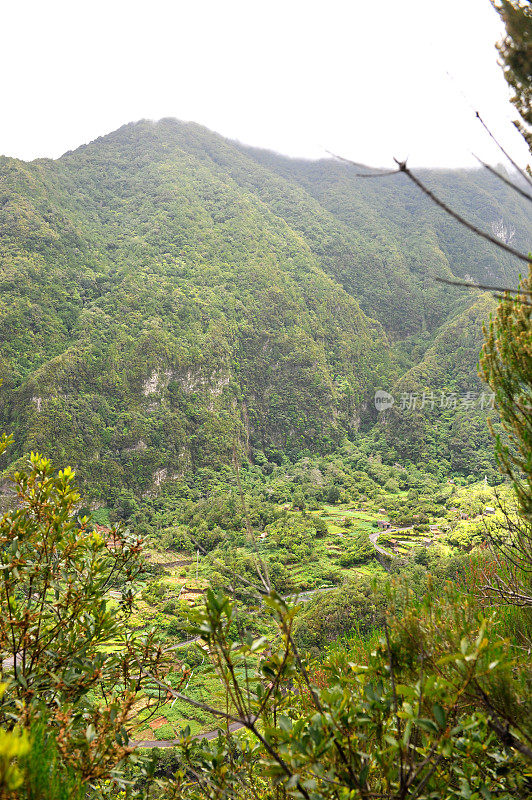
{"points": [[501, 148], [507, 181], [448, 210], [482, 287], [378, 173]]}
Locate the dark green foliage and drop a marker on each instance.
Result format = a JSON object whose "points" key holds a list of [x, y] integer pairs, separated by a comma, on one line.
{"points": [[414, 717], [172, 310], [360, 551], [320, 527], [441, 406], [516, 53], [335, 614], [507, 366]]}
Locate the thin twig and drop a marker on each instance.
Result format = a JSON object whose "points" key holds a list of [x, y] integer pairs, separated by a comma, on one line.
{"points": [[377, 174], [483, 287], [448, 210], [507, 181], [501, 148]]}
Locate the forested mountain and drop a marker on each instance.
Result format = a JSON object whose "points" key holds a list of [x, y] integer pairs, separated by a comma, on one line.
{"points": [[164, 290]]}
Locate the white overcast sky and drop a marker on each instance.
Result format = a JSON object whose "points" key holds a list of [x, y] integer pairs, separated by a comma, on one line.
{"points": [[368, 79]]}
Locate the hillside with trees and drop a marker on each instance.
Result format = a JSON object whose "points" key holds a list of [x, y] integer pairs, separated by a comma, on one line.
{"points": [[166, 292]]}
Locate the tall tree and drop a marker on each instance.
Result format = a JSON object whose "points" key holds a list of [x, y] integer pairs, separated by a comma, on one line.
{"points": [[506, 363], [506, 360], [515, 49]]}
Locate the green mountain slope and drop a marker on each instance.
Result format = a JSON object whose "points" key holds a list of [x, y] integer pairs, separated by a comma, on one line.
{"points": [[439, 417], [150, 307], [394, 206], [165, 292]]}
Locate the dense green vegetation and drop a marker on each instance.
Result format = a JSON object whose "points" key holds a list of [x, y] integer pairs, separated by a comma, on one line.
{"points": [[165, 292]]}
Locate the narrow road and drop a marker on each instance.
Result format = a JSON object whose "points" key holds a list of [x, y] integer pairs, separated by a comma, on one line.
{"points": [[184, 644], [309, 593], [373, 539], [374, 536], [234, 726]]}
